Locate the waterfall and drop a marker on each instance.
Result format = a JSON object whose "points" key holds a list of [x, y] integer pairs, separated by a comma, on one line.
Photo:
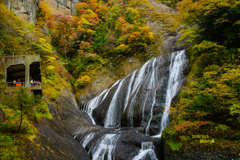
{"points": [[136, 100], [87, 139], [146, 152], [152, 85], [140, 96], [173, 85], [104, 147], [88, 108]]}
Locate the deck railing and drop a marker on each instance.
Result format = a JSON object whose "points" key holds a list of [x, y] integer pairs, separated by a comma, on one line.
{"points": [[22, 84], [18, 84]]}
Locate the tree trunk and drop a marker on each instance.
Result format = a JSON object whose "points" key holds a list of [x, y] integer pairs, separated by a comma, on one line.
{"points": [[20, 122]]}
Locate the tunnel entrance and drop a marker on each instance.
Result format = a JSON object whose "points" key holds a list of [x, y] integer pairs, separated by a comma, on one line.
{"points": [[15, 72], [35, 72], [37, 92]]}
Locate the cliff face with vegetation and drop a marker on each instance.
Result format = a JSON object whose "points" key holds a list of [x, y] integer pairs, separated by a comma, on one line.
{"points": [[105, 41], [26, 9], [207, 115]]}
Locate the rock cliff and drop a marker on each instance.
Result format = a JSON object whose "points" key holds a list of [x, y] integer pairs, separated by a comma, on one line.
{"points": [[25, 9], [55, 138]]}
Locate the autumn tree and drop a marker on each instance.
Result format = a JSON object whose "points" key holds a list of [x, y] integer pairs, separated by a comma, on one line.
{"points": [[216, 20], [44, 14], [63, 33]]}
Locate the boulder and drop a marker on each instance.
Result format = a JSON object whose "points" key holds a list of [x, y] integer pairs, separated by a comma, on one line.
{"points": [[54, 142], [74, 120], [55, 137], [128, 144]]}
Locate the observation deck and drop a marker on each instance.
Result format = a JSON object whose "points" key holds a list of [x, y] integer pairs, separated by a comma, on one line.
{"points": [[21, 68]]}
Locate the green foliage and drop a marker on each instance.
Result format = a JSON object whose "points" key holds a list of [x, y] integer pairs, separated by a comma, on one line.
{"points": [[171, 3], [222, 127], [132, 16], [9, 148], [208, 103], [109, 33], [217, 20], [82, 81], [235, 111], [2, 76], [54, 77], [21, 112], [175, 146], [101, 40], [18, 37]]}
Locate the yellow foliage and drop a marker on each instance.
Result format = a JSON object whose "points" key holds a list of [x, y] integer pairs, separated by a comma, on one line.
{"points": [[82, 81]]}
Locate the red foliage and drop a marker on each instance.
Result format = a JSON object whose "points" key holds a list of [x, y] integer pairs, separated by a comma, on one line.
{"points": [[183, 126], [63, 18], [56, 56], [188, 125], [198, 124], [112, 39], [50, 25], [82, 11], [90, 39]]}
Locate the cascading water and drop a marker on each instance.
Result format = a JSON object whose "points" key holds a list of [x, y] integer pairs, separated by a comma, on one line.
{"points": [[88, 108], [87, 139], [146, 152], [126, 93], [137, 100], [173, 86], [139, 92], [104, 147]]}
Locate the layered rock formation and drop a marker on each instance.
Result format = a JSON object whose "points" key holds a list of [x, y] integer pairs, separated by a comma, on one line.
{"points": [[25, 9]]}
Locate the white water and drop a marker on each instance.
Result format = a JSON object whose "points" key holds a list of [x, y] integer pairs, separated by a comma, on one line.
{"points": [[152, 84], [140, 88], [137, 84], [87, 139], [110, 117], [147, 150], [173, 86], [128, 90], [88, 108], [104, 146]]}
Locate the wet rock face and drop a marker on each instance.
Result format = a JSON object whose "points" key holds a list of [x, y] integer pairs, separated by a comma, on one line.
{"points": [[139, 98], [170, 45], [143, 102], [128, 143], [143, 94], [71, 117], [104, 80]]}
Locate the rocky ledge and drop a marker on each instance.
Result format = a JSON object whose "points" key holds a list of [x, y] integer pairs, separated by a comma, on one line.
{"points": [[55, 138]]}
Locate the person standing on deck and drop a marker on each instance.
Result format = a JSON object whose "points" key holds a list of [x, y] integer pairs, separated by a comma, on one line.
{"points": [[18, 83], [31, 82], [14, 82]]}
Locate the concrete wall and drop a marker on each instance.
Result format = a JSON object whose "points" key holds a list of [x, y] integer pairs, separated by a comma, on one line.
{"points": [[7, 61]]}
